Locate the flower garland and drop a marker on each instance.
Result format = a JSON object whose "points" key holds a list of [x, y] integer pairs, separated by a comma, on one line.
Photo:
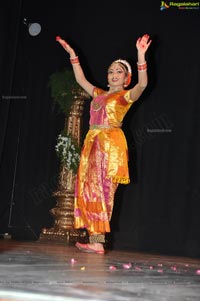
{"points": [[68, 151]]}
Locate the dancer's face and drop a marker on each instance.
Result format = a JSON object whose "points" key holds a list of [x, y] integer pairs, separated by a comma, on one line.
{"points": [[116, 75]]}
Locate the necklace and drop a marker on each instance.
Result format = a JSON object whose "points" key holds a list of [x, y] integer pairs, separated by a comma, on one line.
{"points": [[96, 106], [112, 92], [98, 102]]}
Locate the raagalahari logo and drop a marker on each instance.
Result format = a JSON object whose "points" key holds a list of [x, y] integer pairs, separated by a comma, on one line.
{"points": [[179, 5]]}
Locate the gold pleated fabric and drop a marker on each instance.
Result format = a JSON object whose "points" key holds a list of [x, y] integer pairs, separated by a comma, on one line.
{"points": [[103, 163]]}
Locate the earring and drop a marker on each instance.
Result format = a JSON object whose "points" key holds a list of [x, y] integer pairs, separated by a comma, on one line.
{"points": [[108, 85]]}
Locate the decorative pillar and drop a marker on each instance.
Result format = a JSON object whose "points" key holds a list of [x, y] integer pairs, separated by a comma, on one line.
{"points": [[64, 210]]}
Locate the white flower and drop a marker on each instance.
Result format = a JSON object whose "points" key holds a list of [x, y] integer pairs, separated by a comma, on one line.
{"points": [[68, 151]]}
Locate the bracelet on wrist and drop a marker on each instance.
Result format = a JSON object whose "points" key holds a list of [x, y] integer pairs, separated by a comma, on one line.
{"points": [[74, 60], [142, 66], [142, 70]]}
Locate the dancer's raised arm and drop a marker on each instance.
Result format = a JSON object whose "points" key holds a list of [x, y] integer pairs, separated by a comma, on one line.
{"points": [[78, 71], [142, 45]]}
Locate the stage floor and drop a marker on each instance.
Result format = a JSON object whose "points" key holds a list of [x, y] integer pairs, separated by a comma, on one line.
{"points": [[57, 271]]}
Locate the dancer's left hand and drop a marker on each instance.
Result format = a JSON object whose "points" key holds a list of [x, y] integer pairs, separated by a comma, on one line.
{"points": [[143, 43]]}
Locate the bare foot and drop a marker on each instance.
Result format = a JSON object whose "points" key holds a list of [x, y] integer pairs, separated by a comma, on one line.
{"points": [[97, 246], [91, 248]]}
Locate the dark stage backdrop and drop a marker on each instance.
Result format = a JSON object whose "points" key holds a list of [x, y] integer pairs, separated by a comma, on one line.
{"points": [[159, 210]]}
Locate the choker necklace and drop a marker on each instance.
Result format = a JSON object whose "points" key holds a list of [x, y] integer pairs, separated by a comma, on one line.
{"points": [[115, 91]]}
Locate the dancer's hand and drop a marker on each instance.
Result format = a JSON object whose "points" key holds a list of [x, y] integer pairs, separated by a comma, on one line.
{"points": [[143, 43], [66, 46]]}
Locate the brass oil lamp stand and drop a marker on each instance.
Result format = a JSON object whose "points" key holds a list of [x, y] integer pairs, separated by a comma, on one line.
{"points": [[63, 229]]}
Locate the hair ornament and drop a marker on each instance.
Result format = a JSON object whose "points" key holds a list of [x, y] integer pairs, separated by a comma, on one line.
{"points": [[125, 63]]}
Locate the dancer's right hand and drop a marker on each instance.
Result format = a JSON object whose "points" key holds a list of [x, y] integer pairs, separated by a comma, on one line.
{"points": [[66, 46]]}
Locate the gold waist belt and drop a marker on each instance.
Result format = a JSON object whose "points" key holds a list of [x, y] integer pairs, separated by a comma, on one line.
{"points": [[102, 126]]}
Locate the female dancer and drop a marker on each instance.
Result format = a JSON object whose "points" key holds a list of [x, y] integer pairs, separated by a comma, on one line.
{"points": [[104, 160]]}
